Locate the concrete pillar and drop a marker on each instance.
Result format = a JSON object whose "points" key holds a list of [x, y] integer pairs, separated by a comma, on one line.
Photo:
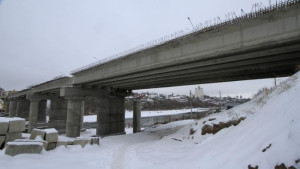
{"points": [[23, 108], [136, 116], [58, 114], [7, 107], [12, 108], [82, 115], [74, 117], [42, 111], [111, 115], [33, 114]]}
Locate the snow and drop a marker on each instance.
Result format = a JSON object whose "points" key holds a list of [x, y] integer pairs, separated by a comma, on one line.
{"points": [[25, 143], [8, 119], [271, 119], [51, 130], [129, 114]]}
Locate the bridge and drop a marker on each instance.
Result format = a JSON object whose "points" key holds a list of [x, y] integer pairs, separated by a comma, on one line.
{"points": [[262, 44]]}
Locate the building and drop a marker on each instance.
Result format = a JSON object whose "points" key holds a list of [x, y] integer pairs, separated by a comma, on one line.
{"points": [[199, 93]]}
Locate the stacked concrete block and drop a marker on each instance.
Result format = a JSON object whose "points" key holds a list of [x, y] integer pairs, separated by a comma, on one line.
{"points": [[10, 129], [84, 141], [49, 135], [15, 148]]}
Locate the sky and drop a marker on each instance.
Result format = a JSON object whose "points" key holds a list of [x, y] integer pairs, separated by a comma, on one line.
{"points": [[40, 40]]}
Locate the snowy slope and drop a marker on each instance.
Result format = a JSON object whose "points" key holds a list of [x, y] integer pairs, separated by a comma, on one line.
{"points": [[271, 119]]}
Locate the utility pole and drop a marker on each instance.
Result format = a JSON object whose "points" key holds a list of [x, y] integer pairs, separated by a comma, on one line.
{"points": [[220, 100], [191, 103], [191, 22], [275, 81]]}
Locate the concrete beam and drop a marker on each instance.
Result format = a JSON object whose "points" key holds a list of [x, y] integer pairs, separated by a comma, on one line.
{"points": [[70, 91]]}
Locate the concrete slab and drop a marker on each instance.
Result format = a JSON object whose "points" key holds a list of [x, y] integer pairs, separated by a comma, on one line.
{"points": [[51, 135], [45, 143], [94, 140], [81, 141], [16, 125], [13, 136], [15, 148], [37, 132]]}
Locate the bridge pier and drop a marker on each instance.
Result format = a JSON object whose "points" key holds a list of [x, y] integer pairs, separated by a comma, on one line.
{"points": [[22, 109], [33, 114], [58, 113], [42, 111], [136, 116], [12, 108], [110, 115], [37, 110], [74, 117]]}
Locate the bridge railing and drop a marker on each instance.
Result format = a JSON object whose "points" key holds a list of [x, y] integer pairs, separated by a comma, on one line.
{"points": [[217, 23]]}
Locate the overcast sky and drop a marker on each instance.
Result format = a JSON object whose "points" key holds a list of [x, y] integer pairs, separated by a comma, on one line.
{"points": [[43, 39]]}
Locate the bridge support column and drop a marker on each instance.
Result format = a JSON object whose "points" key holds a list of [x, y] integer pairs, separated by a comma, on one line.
{"points": [[58, 114], [23, 108], [111, 115], [33, 114], [12, 108], [136, 116], [74, 116], [42, 111]]}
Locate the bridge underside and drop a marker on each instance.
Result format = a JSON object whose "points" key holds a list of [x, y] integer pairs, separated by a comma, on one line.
{"points": [[277, 60]]}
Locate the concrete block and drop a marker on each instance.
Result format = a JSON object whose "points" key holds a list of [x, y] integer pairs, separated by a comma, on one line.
{"points": [[3, 127], [37, 132], [62, 143], [51, 135], [94, 140], [45, 143], [2, 141], [16, 125], [13, 136], [81, 141], [15, 148], [51, 146]]}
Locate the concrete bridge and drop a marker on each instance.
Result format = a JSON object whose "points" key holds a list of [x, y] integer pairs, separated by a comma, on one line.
{"points": [[264, 44]]}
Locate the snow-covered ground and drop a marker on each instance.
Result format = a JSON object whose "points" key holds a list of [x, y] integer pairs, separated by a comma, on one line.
{"points": [[129, 114], [272, 120]]}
